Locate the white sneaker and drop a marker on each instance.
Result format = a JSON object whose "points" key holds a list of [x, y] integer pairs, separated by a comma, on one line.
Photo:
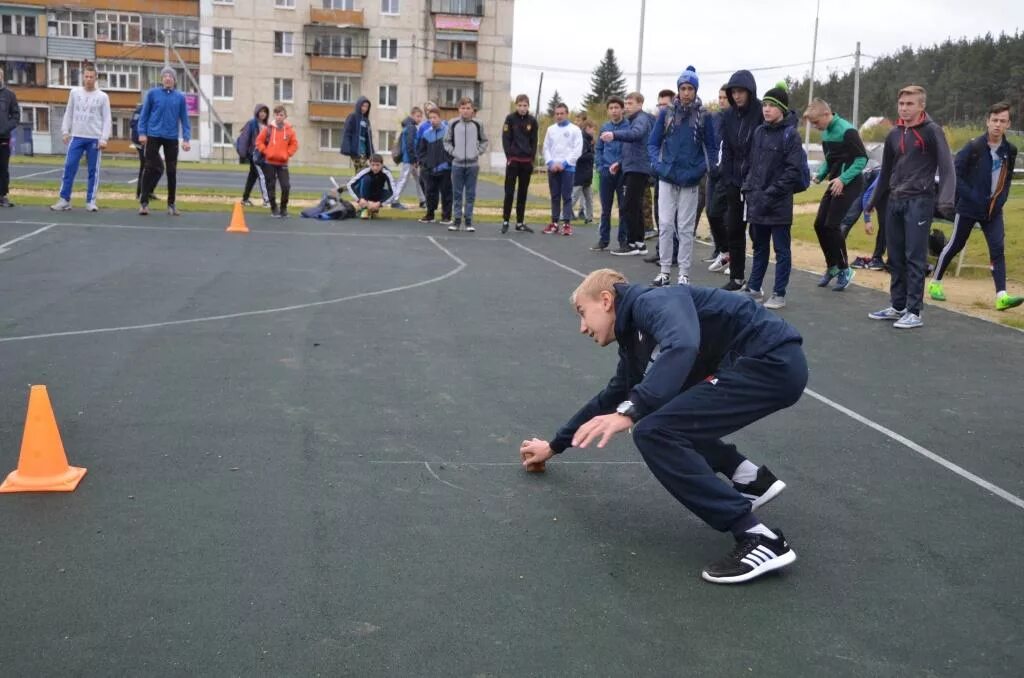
{"points": [[756, 295], [775, 302], [92, 207], [725, 271], [684, 280], [908, 322], [61, 205], [720, 262]]}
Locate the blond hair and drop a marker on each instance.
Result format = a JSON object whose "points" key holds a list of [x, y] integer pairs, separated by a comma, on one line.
{"points": [[601, 280], [817, 107], [914, 90]]}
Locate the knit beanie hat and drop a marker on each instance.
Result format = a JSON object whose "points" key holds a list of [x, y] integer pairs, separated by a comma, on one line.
{"points": [[167, 70], [689, 77], [778, 96]]}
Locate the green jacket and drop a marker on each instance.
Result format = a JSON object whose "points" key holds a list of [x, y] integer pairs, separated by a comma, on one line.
{"points": [[845, 156]]}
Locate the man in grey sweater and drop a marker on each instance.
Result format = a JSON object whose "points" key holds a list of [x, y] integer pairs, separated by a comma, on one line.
{"points": [[85, 129], [465, 142]]}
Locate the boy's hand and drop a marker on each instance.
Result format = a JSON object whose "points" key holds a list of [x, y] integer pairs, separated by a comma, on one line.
{"points": [[607, 136], [869, 228], [601, 428], [614, 169], [835, 187], [815, 180], [186, 146], [535, 451]]}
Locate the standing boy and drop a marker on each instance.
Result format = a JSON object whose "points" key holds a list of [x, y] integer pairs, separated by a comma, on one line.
{"points": [[695, 365], [246, 143], [85, 129], [984, 172], [278, 144], [436, 168], [10, 115], [778, 169], [407, 144], [163, 111], [371, 188], [608, 158], [357, 135], [582, 192], [140, 148], [519, 140], [563, 145], [636, 166], [465, 141], [678, 149], [915, 151], [716, 194]]}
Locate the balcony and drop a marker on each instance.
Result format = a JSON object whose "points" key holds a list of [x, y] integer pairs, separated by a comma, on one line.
{"points": [[117, 50], [325, 111], [334, 50], [447, 92], [455, 69], [22, 46], [457, 7], [336, 17]]}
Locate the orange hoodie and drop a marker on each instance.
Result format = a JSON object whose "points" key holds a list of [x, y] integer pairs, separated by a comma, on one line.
{"points": [[282, 144]]}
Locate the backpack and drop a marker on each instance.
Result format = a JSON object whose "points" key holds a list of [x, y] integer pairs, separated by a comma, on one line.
{"points": [[257, 157], [397, 154], [244, 142], [330, 208], [805, 174]]}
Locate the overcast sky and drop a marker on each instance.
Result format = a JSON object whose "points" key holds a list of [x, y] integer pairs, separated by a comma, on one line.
{"points": [[719, 37]]}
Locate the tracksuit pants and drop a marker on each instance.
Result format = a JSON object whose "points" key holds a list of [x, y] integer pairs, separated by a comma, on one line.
{"points": [[735, 231], [5, 161], [91, 149], [464, 181], [275, 173], [994, 231], [908, 222], [828, 223], [635, 187], [681, 442], [560, 185], [408, 170], [439, 186], [677, 207], [516, 173], [779, 238], [256, 178], [154, 167], [609, 189]]}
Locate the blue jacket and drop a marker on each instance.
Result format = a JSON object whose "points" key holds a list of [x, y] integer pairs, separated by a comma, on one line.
{"points": [[162, 110], [682, 143], [634, 148], [778, 169], [353, 126], [407, 141], [695, 331], [738, 127], [430, 149], [607, 153], [975, 198]]}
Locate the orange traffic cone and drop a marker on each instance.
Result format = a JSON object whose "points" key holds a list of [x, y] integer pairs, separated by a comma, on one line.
{"points": [[42, 466], [238, 220]]}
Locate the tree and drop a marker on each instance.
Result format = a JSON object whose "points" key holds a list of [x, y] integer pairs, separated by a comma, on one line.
{"points": [[606, 81], [556, 99]]}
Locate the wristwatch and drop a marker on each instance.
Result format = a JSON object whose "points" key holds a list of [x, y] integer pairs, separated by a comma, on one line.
{"points": [[627, 409]]}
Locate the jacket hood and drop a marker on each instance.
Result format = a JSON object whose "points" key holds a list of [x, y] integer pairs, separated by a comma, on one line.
{"points": [[743, 80], [359, 105], [408, 121], [261, 107], [625, 296]]}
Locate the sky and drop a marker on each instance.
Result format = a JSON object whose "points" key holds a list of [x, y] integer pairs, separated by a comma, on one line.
{"points": [[721, 37]]}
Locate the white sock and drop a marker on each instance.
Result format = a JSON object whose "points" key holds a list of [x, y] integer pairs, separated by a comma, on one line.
{"points": [[1000, 293], [745, 473], [762, 530]]}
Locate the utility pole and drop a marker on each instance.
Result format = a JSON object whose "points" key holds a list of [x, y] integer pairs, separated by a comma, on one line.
{"points": [[640, 52], [814, 59], [540, 88], [856, 87], [167, 48]]}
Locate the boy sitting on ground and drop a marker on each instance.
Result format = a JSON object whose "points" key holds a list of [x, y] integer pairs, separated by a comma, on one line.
{"points": [[371, 187]]}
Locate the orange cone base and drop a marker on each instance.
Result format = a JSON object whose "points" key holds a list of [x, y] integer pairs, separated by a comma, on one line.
{"points": [[64, 482]]}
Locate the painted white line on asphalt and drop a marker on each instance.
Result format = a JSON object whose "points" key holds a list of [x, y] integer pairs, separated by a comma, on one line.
{"points": [[245, 314], [132, 181], [36, 174], [502, 463], [903, 440], [4, 247]]}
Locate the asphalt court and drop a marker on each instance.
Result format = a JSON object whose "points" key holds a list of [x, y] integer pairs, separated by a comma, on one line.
{"points": [[302, 450]]}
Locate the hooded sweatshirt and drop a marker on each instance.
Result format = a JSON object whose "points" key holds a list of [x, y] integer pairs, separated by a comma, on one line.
{"points": [[682, 143], [162, 111], [277, 144], [670, 338], [255, 126], [738, 125], [914, 152], [9, 113], [465, 141], [357, 136], [407, 141]]}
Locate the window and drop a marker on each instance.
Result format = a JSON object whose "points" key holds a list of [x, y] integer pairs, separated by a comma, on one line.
{"points": [[69, 25], [65, 73], [333, 88], [17, 24], [19, 72], [456, 50], [221, 39], [223, 87], [151, 77], [388, 49], [117, 27], [284, 4], [336, 45], [330, 138], [283, 43], [119, 76], [462, 7], [39, 116], [222, 134], [283, 89], [184, 31], [388, 96], [386, 139], [338, 4], [389, 6], [120, 124], [223, 2]]}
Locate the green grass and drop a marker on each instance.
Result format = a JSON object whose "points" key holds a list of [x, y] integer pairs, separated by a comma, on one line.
{"points": [[132, 163]]}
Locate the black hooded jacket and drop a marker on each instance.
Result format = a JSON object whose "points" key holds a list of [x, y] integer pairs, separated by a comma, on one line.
{"points": [[738, 125]]}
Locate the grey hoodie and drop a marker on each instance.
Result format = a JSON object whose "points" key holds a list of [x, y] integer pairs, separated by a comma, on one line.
{"points": [[465, 141]]}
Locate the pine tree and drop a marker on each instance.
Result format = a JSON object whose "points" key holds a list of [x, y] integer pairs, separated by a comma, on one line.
{"points": [[556, 99], [606, 81]]}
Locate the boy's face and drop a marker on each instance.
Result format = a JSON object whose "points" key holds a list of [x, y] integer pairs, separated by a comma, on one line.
{"points": [[417, 117], [376, 167], [664, 102], [998, 123], [597, 317], [740, 96], [561, 115], [522, 107], [910, 107], [687, 94], [771, 113], [279, 117], [615, 112], [723, 100], [89, 80], [168, 81], [632, 106], [466, 111], [435, 120], [819, 121], [365, 108]]}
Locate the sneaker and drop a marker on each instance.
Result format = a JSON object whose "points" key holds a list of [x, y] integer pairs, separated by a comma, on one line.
{"points": [[470, 228], [908, 322], [398, 206], [246, 202], [423, 203], [661, 280], [4, 202], [61, 205], [599, 247], [756, 295], [143, 209], [754, 555], [1005, 302], [650, 233], [625, 251], [733, 285], [504, 227], [454, 227], [859, 262], [551, 229], [172, 211], [567, 228], [827, 276], [714, 257], [364, 213], [641, 248], [775, 302], [763, 488], [266, 203], [283, 214], [92, 207], [725, 271], [876, 265], [935, 290], [524, 228], [446, 222], [843, 280], [274, 214], [719, 262], [683, 280], [426, 220], [888, 313]]}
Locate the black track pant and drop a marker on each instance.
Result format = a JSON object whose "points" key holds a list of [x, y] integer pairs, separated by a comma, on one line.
{"points": [[828, 225], [516, 173], [153, 167]]}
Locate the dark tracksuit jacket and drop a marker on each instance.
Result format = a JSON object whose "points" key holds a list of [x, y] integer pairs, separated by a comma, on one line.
{"points": [[374, 187], [357, 125], [698, 364], [584, 175], [975, 198], [775, 173], [519, 137]]}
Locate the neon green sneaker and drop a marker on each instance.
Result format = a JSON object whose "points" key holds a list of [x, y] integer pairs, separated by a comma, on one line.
{"points": [[1005, 302], [935, 290]]}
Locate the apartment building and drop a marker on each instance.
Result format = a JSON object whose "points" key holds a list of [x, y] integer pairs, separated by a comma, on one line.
{"points": [[44, 43], [317, 57]]}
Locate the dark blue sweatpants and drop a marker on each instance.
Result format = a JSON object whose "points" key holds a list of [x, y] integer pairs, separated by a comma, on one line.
{"points": [[908, 221], [681, 442], [994, 235], [560, 184]]}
